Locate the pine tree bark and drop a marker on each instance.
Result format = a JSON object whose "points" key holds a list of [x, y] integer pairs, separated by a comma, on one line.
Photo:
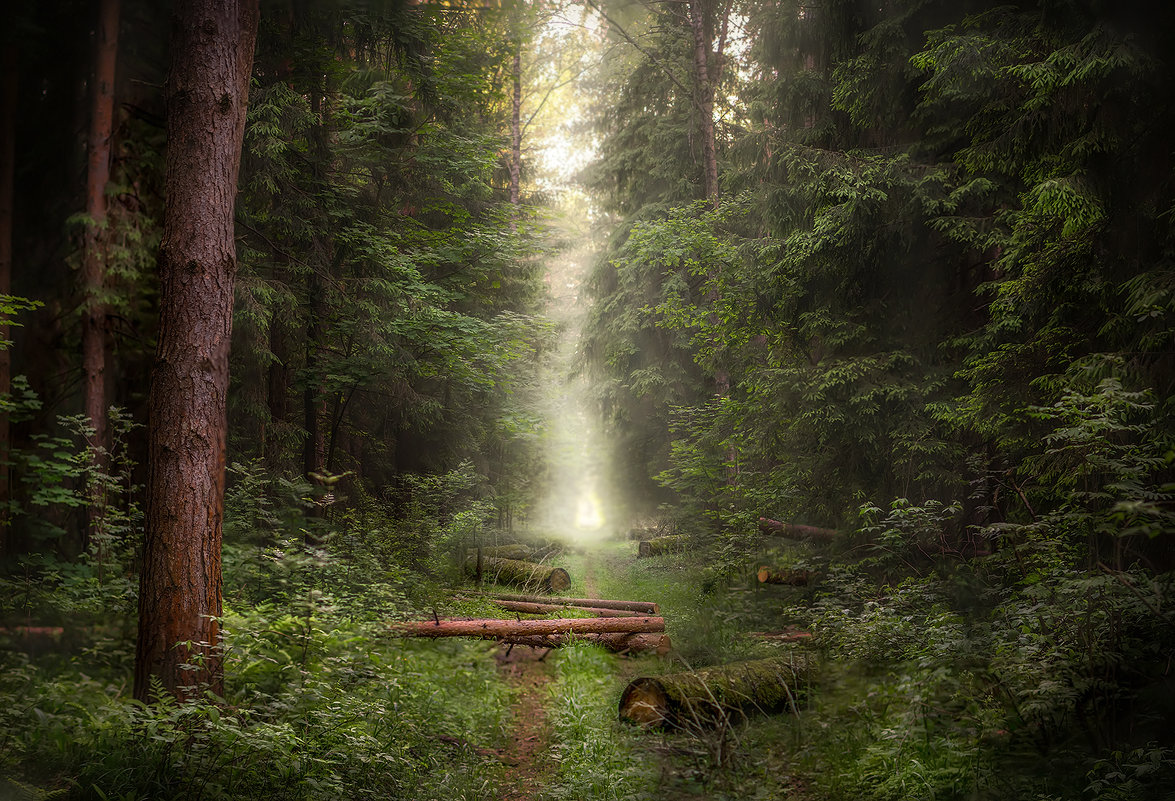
{"points": [[704, 100], [516, 129], [180, 588], [94, 256], [8, 92]]}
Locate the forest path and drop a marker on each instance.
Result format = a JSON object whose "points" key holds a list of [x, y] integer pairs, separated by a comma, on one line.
{"points": [[525, 754]]}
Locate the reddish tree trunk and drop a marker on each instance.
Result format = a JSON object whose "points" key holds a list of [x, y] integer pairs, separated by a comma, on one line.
{"points": [[7, 183], [94, 255], [180, 590]]}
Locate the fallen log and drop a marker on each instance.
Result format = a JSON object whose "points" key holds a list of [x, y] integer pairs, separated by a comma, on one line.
{"points": [[515, 571], [491, 629], [794, 578], [712, 695], [660, 545], [504, 552], [796, 531], [647, 607], [546, 609], [619, 642]]}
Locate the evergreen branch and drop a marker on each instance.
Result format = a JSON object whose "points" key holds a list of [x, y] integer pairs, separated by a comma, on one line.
{"points": [[656, 62]]}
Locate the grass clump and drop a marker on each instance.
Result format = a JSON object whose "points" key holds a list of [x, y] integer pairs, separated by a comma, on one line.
{"points": [[596, 760]]}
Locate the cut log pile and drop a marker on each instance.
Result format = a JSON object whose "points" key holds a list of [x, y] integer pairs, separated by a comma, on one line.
{"points": [[515, 571], [661, 545], [796, 531], [712, 695], [794, 578], [644, 607], [492, 629], [545, 609]]}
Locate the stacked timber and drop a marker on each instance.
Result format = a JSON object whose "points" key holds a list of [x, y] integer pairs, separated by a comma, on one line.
{"points": [[795, 531], [527, 608], [516, 571], [517, 551], [710, 696], [794, 578], [661, 545], [644, 607], [493, 629]]}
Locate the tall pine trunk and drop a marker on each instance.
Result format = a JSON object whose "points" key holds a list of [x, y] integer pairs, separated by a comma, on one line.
{"points": [[180, 591], [7, 194], [94, 256], [516, 130]]}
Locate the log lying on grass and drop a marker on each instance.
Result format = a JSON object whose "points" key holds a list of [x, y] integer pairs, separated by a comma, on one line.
{"points": [[706, 697], [795, 531], [645, 607], [515, 571], [794, 578], [491, 629], [660, 545], [545, 609], [503, 552], [618, 642]]}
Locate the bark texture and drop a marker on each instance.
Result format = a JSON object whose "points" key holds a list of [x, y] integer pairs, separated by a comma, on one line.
{"points": [[546, 609], [795, 531], [660, 545], [710, 696], [493, 629], [525, 574], [180, 591], [645, 607], [94, 250], [7, 192], [516, 128]]}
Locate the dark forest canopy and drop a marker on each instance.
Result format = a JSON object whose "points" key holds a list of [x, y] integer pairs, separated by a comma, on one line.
{"points": [[901, 271]]}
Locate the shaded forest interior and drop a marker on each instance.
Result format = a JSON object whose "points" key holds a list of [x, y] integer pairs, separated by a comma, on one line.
{"points": [[756, 333]]}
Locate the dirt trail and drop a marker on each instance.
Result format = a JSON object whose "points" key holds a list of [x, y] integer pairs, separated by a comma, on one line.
{"points": [[526, 753]]}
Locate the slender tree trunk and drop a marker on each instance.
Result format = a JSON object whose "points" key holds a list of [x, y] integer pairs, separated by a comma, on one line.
{"points": [[94, 255], [516, 130], [7, 193], [704, 95], [314, 397], [277, 388], [94, 259], [180, 591]]}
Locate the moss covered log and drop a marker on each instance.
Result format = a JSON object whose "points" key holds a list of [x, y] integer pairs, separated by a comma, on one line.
{"points": [[709, 696], [661, 545], [524, 574]]}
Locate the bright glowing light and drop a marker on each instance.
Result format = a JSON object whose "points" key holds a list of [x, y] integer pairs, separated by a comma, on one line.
{"points": [[588, 516]]}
